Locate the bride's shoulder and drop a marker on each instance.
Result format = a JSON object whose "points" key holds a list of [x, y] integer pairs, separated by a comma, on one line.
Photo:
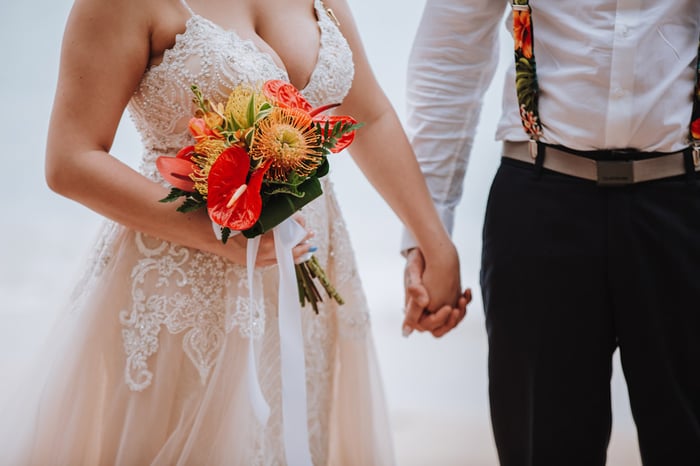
{"points": [[167, 19]]}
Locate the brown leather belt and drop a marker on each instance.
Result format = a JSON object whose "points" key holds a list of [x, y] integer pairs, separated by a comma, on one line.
{"points": [[604, 172]]}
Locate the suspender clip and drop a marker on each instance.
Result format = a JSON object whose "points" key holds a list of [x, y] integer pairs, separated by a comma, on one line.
{"points": [[532, 146], [696, 154]]}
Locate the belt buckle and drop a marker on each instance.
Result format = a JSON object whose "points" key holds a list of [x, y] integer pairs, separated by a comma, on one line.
{"points": [[615, 172]]}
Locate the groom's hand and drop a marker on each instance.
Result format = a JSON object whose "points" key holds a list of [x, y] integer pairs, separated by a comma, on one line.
{"points": [[417, 299]]}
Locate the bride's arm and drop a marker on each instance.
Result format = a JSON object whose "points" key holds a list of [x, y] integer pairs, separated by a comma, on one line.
{"points": [[106, 49], [381, 149]]}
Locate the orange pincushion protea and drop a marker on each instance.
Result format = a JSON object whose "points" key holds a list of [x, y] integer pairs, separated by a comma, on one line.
{"points": [[288, 140]]}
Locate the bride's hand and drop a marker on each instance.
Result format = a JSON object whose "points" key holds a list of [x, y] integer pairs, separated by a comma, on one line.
{"points": [[266, 250]]}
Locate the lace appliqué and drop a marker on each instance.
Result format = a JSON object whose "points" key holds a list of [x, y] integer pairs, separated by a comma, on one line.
{"points": [[183, 290]]}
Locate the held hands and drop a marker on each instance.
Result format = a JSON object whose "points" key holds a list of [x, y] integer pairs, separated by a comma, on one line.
{"points": [[421, 314]]}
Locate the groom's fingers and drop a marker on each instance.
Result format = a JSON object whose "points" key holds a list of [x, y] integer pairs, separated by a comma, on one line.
{"points": [[432, 321], [456, 316]]}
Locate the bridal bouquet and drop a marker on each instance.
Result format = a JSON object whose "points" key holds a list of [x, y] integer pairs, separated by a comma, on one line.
{"points": [[256, 160]]}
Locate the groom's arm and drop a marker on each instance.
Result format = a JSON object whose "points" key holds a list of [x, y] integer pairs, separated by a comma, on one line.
{"points": [[452, 62]]}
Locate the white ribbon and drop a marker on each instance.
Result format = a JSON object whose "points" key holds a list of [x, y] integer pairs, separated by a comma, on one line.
{"points": [[293, 366], [260, 407]]}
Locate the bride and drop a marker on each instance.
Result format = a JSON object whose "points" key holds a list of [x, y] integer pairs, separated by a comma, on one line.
{"points": [[159, 355]]}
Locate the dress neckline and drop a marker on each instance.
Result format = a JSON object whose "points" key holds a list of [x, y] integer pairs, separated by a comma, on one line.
{"points": [[249, 42]]}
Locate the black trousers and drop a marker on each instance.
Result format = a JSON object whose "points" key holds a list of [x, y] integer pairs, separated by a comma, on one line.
{"points": [[570, 272]]}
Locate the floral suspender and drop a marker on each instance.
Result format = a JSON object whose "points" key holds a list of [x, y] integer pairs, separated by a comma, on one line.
{"points": [[528, 90], [695, 121], [525, 70]]}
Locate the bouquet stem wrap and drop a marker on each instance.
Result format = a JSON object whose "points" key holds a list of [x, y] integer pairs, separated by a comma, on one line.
{"points": [[293, 365]]}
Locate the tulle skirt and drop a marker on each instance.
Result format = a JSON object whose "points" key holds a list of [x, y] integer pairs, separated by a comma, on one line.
{"points": [[146, 365]]}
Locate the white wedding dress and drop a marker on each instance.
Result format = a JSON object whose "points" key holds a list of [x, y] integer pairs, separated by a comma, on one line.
{"points": [[147, 365]]}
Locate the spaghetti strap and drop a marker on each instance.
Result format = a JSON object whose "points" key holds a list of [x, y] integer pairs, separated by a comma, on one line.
{"points": [[184, 3]]}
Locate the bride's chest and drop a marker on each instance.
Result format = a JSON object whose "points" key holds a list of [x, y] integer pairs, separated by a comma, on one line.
{"points": [[217, 60]]}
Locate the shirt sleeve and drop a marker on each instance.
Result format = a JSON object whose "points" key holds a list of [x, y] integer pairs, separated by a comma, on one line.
{"points": [[452, 62]]}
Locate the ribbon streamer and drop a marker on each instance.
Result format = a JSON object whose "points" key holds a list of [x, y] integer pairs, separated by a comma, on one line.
{"points": [[293, 365]]}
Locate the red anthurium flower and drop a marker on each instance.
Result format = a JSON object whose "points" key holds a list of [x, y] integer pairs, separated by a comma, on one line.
{"points": [[185, 153], [177, 170], [695, 128], [231, 201], [346, 139], [285, 95]]}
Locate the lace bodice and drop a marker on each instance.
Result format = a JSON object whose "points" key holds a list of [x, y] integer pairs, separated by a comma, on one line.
{"points": [[217, 60]]}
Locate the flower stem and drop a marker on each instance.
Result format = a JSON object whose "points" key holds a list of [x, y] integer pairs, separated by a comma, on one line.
{"points": [[307, 273]]}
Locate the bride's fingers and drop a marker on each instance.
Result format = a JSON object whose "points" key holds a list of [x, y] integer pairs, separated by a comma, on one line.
{"points": [[302, 252], [300, 219], [266, 249]]}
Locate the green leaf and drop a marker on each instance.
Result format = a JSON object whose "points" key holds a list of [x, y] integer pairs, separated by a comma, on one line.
{"points": [[235, 125], [283, 189], [198, 97], [190, 205], [280, 207], [174, 195], [322, 170], [264, 110], [225, 233], [249, 137], [251, 110]]}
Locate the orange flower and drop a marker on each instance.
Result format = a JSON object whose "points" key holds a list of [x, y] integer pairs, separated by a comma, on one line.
{"points": [[522, 32], [177, 170], [288, 140], [231, 201], [201, 130]]}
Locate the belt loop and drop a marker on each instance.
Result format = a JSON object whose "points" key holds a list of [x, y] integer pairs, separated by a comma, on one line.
{"points": [[537, 149]]}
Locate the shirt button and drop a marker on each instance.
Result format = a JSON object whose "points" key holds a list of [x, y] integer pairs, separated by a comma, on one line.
{"points": [[624, 30]]}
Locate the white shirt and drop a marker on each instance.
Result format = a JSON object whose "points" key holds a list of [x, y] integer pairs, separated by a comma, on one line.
{"points": [[612, 74]]}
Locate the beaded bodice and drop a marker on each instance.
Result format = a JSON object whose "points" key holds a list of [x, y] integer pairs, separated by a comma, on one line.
{"points": [[217, 60]]}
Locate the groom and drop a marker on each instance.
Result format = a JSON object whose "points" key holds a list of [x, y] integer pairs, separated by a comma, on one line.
{"points": [[591, 241]]}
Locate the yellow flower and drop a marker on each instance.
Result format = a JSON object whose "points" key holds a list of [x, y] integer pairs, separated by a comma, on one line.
{"points": [[238, 102], [287, 138], [207, 151]]}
